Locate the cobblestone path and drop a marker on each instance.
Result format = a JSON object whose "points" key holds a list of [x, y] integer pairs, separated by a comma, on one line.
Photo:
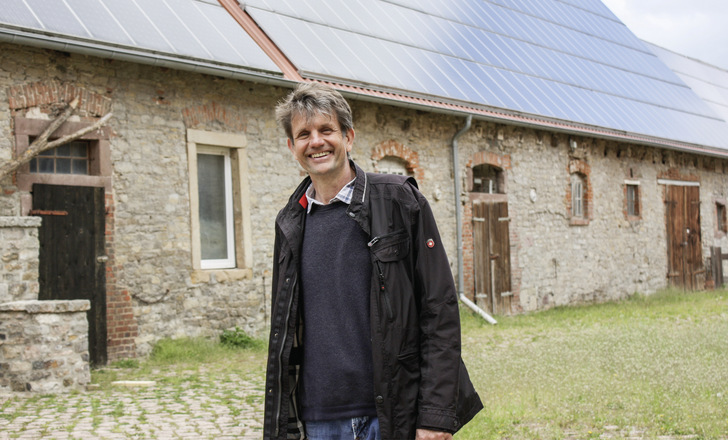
{"points": [[180, 406]]}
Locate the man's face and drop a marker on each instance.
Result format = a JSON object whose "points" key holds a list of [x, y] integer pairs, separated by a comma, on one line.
{"points": [[319, 145]]}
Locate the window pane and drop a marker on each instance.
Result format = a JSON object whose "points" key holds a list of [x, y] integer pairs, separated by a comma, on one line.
{"points": [[63, 150], [486, 179], [45, 165], [80, 166], [211, 191], [577, 204], [59, 160], [79, 149], [63, 166], [632, 205]]}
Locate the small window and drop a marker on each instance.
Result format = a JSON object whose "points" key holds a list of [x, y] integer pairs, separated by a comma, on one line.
{"points": [[633, 200], [214, 186], [71, 158], [487, 179], [721, 214], [578, 202], [393, 165]]}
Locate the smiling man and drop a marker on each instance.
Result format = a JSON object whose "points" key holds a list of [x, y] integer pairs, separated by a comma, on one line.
{"points": [[365, 331]]}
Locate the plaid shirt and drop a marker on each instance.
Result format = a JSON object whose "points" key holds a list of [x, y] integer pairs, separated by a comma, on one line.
{"points": [[344, 195]]}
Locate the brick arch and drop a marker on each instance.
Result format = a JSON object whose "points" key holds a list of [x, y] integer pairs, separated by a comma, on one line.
{"points": [[396, 149], [202, 115], [503, 162], [48, 95]]}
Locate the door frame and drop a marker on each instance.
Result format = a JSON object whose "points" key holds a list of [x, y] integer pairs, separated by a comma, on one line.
{"points": [[683, 233], [86, 213]]}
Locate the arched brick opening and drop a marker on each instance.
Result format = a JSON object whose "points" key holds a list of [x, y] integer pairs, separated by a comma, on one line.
{"points": [[396, 149]]}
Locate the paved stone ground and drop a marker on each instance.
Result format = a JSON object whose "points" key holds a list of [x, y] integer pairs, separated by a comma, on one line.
{"points": [[190, 406]]}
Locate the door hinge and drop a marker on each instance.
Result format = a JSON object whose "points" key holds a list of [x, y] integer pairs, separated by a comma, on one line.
{"points": [[46, 212]]}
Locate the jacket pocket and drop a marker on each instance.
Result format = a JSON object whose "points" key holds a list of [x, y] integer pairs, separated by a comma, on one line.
{"points": [[390, 247]]}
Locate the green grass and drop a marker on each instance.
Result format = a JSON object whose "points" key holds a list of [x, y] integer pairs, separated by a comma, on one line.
{"points": [[186, 362], [652, 365]]}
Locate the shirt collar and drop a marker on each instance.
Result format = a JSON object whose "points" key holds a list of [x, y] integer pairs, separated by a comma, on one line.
{"points": [[344, 195]]}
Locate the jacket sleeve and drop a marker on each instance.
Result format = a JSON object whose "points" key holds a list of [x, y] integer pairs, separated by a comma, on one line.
{"points": [[439, 325]]}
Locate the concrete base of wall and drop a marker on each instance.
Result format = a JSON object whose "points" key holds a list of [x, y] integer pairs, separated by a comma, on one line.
{"points": [[44, 346]]}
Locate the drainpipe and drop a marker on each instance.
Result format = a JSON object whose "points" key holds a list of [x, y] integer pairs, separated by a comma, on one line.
{"points": [[458, 223]]}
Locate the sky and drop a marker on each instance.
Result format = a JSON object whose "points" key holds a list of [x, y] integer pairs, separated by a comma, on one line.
{"points": [[695, 28]]}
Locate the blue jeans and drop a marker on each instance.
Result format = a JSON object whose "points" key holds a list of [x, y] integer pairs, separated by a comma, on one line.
{"points": [[359, 428]]}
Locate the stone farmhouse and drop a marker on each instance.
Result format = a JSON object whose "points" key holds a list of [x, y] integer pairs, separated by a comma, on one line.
{"points": [[565, 161]]}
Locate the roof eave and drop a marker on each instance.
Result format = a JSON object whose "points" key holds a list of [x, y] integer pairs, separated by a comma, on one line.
{"points": [[499, 115], [92, 48]]}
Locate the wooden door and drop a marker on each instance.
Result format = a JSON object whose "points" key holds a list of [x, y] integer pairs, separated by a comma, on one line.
{"points": [[684, 249], [72, 261], [491, 257]]}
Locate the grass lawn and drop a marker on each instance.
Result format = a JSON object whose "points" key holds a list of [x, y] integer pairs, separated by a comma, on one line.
{"points": [[648, 367], [644, 367]]}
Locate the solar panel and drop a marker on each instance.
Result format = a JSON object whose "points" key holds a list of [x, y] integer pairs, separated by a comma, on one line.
{"points": [[191, 29], [707, 81], [565, 59]]}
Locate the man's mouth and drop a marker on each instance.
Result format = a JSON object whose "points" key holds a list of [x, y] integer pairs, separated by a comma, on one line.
{"points": [[321, 154]]}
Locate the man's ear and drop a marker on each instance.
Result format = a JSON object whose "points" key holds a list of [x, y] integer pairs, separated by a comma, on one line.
{"points": [[349, 139], [290, 144]]}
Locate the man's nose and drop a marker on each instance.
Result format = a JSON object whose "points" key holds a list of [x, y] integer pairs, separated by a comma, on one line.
{"points": [[316, 139]]}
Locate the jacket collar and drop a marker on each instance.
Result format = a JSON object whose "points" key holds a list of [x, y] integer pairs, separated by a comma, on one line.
{"points": [[359, 206], [291, 220]]}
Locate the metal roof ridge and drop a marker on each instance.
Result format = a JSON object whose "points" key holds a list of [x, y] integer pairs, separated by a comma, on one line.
{"points": [[261, 39]]}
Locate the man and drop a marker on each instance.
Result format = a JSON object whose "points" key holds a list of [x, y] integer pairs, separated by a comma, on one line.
{"points": [[365, 331]]}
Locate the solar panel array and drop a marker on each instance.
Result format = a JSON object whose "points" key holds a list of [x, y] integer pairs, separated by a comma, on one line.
{"points": [[562, 59], [709, 82], [184, 29]]}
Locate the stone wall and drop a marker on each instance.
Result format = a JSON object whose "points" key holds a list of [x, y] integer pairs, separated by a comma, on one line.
{"points": [[44, 346], [18, 258], [553, 261]]}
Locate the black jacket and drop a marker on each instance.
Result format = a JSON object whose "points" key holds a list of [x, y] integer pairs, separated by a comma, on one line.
{"points": [[420, 380]]}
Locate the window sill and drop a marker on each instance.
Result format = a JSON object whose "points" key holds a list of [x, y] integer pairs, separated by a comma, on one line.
{"points": [[575, 221], [212, 276]]}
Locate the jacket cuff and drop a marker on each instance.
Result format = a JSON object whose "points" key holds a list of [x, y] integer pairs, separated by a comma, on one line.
{"points": [[437, 420]]}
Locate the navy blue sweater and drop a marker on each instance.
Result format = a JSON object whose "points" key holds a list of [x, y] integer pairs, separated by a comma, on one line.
{"points": [[337, 378]]}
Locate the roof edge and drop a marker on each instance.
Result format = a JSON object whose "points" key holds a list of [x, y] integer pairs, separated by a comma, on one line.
{"points": [[66, 44]]}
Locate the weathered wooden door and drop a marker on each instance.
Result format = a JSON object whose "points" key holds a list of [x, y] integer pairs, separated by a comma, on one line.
{"points": [[72, 261], [684, 253], [491, 256]]}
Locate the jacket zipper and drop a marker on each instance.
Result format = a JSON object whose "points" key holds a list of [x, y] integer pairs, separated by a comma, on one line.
{"points": [[281, 374], [382, 288], [383, 291]]}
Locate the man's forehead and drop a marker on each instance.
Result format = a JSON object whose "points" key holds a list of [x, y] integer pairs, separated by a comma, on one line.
{"points": [[306, 118]]}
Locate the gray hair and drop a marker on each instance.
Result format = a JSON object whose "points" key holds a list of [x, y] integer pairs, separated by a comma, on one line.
{"points": [[310, 99]]}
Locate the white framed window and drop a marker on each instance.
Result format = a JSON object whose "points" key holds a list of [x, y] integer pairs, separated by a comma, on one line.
{"points": [[578, 205], [219, 201], [215, 213], [393, 165]]}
